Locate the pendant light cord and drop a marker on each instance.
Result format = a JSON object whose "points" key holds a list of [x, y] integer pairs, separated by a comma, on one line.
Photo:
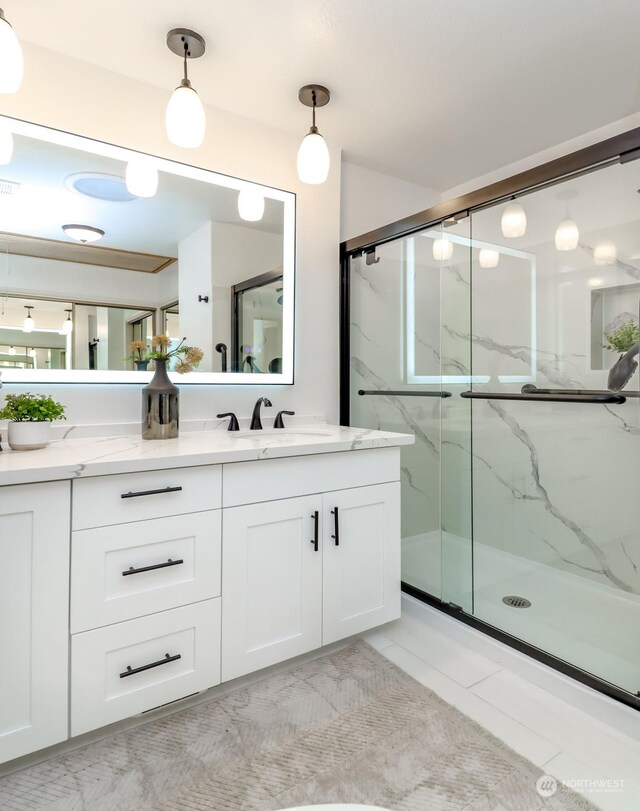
{"points": [[186, 50]]}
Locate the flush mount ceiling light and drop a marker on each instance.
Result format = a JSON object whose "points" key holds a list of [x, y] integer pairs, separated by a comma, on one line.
{"points": [[567, 236], [185, 119], [99, 186], [142, 177], [250, 205], [11, 61], [6, 144], [514, 221], [29, 323], [313, 155], [442, 250], [83, 233], [67, 326], [488, 258]]}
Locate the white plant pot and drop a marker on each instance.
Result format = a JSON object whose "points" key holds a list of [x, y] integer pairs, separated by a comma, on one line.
{"points": [[28, 436]]}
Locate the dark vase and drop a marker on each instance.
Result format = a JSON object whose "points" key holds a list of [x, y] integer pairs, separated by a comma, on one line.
{"points": [[141, 365], [160, 406]]}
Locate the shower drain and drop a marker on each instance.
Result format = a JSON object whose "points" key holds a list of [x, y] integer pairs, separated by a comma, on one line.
{"points": [[516, 602]]}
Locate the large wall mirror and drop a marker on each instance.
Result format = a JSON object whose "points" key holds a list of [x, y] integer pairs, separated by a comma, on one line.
{"points": [[203, 256]]}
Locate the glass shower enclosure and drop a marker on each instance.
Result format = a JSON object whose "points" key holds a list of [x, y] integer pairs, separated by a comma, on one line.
{"points": [[505, 337]]}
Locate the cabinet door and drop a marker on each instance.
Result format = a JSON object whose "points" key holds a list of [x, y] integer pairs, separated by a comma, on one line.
{"points": [[271, 583], [34, 616], [361, 559]]}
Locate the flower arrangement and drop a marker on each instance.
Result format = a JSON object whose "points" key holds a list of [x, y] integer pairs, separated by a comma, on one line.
{"points": [[31, 408], [623, 338], [137, 348], [187, 357]]}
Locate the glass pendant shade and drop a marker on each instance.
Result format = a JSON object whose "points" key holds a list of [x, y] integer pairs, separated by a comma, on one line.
{"points": [[29, 324], [141, 177], [567, 236], [6, 144], [313, 158], [11, 60], [250, 205], [442, 250], [67, 326], [605, 253], [12, 350], [488, 258], [185, 119], [514, 221]]}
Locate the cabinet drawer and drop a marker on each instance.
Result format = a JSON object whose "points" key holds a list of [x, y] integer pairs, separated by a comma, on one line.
{"points": [[119, 573], [135, 666], [105, 500], [271, 479]]}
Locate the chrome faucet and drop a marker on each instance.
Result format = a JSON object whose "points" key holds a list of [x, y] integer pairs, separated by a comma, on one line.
{"points": [[256, 422]]}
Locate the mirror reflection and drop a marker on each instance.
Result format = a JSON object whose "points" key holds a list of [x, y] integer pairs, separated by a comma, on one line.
{"points": [[93, 263]]}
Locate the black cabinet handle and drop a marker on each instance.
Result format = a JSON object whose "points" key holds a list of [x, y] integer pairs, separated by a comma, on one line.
{"points": [[151, 492], [336, 526], [131, 671], [170, 562], [315, 540]]}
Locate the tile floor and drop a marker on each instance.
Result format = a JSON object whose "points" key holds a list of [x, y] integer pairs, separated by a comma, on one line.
{"points": [[566, 742]]}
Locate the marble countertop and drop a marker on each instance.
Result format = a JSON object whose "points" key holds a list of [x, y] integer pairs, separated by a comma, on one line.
{"points": [[73, 458]]}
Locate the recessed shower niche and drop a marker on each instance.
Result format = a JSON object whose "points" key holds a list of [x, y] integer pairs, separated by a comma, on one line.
{"points": [[613, 323]]}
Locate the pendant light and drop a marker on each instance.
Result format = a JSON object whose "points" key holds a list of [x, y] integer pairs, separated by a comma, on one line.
{"points": [[605, 253], [185, 119], [250, 205], [67, 326], [29, 323], [313, 155], [12, 350], [514, 221], [83, 233], [6, 144], [567, 236], [488, 258], [11, 61], [442, 250], [141, 177]]}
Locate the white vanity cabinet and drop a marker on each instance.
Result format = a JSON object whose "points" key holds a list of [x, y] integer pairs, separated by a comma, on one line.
{"points": [[34, 617]]}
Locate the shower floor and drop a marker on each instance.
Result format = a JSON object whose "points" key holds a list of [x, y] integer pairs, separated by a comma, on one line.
{"points": [[589, 625]]}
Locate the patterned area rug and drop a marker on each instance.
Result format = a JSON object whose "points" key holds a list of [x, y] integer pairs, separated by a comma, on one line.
{"points": [[349, 727]]}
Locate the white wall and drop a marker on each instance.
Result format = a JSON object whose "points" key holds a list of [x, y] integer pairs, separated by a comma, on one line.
{"points": [[61, 92], [370, 200]]}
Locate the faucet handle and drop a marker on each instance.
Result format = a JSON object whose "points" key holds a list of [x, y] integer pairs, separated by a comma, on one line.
{"points": [[233, 422], [278, 423]]}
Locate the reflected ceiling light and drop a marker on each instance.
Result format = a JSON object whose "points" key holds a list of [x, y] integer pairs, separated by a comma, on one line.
{"points": [[250, 205], [514, 221], [12, 350], [83, 233], [67, 326], [6, 143], [567, 236], [185, 119], [29, 323], [11, 61], [595, 281], [313, 155], [605, 253], [488, 258], [442, 250], [142, 177]]}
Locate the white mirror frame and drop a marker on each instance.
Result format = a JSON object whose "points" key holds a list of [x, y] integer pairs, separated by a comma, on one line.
{"points": [[286, 377]]}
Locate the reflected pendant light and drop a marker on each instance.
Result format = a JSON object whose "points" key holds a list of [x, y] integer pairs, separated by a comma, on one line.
{"points": [[6, 143], [488, 258], [29, 323], [141, 177], [250, 205], [442, 250], [185, 119], [313, 155], [567, 236], [11, 61], [12, 350], [83, 233], [514, 221], [605, 253], [67, 326]]}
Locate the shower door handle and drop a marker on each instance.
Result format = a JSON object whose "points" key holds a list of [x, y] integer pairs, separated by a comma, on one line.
{"points": [[617, 399], [383, 392], [529, 388]]}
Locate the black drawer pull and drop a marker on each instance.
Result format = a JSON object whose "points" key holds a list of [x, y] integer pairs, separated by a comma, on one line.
{"points": [[170, 562], [336, 526], [315, 540], [151, 492], [131, 671]]}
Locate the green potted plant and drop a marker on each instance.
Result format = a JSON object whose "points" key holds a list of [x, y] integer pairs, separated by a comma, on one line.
{"points": [[623, 338], [30, 417]]}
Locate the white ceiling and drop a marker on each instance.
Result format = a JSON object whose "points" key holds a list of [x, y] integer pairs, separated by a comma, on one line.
{"points": [[430, 91]]}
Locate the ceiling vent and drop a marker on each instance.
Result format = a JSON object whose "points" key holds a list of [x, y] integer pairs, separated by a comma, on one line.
{"points": [[8, 188]]}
